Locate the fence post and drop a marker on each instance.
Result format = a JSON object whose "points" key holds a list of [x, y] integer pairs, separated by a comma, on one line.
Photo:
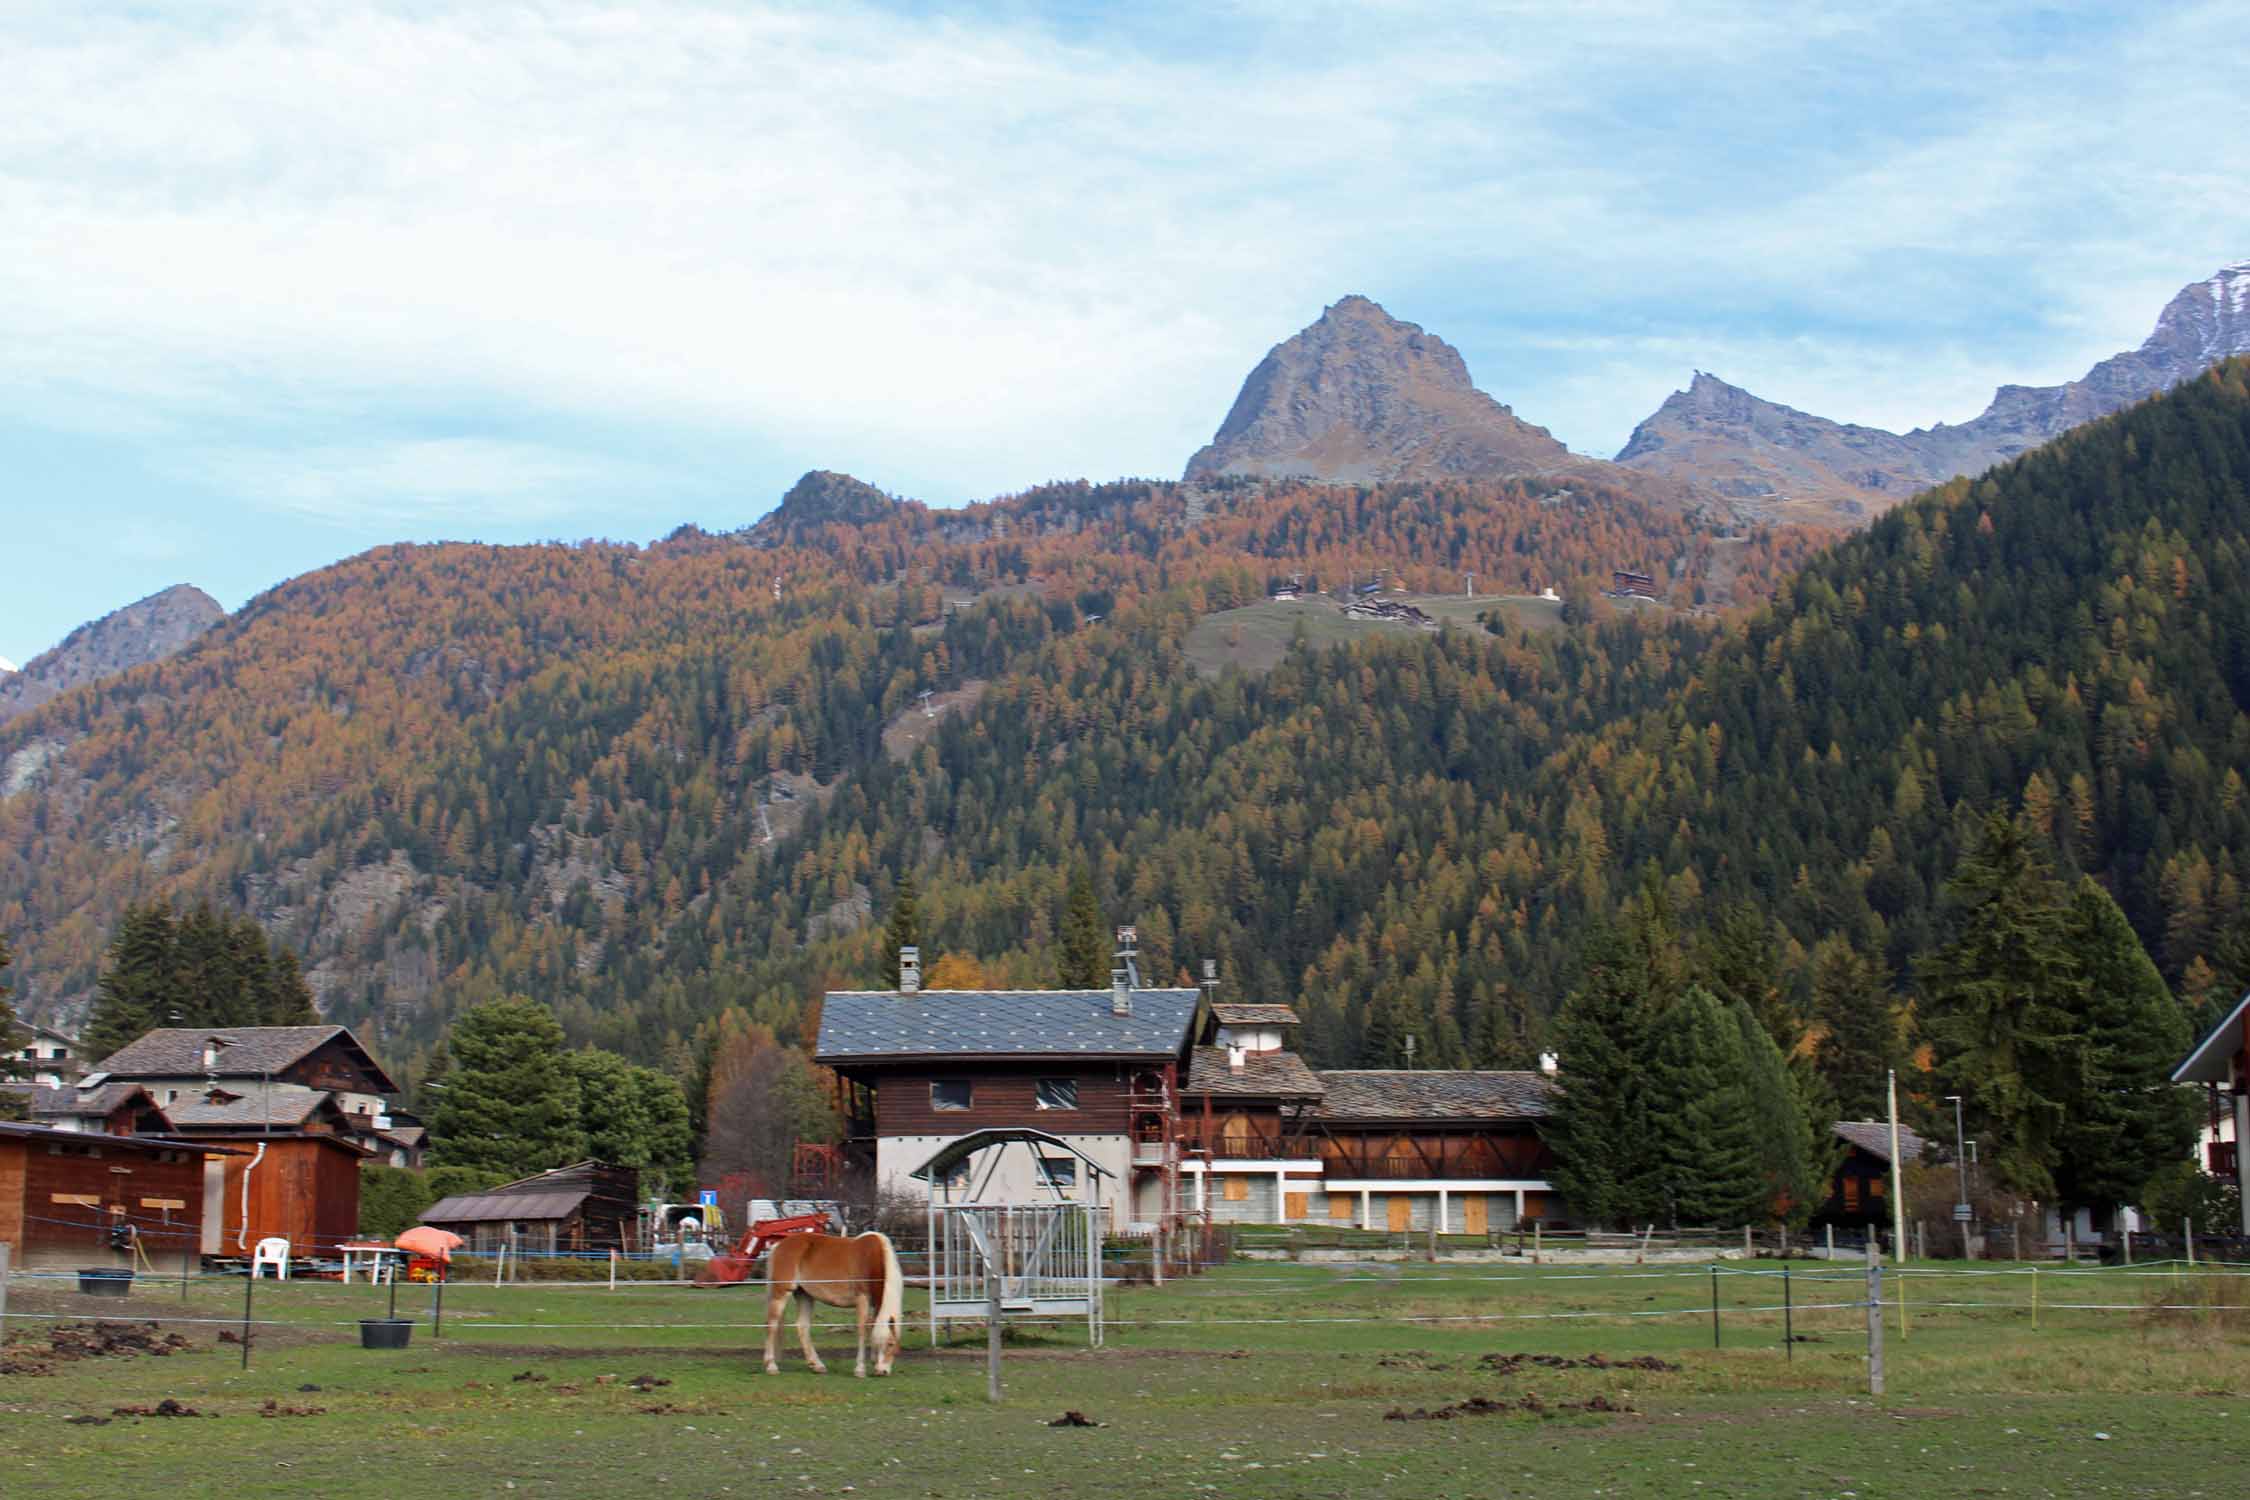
{"points": [[2035, 1294], [1874, 1320], [1831, 1242], [992, 1333], [437, 1302], [2015, 1236], [1714, 1305], [1748, 1251], [2128, 1247], [249, 1285], [4, 1253], [1535, 1226], [1921, 1240], [2189, 1226], [613, 1270], [1788, 1317]]}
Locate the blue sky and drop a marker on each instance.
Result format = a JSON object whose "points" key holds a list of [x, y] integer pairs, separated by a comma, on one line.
{"points": [[280, 282]]}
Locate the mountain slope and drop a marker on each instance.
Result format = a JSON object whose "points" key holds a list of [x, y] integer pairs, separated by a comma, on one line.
{"points": [[145, 631], [1360, 397], [1793, 463]]}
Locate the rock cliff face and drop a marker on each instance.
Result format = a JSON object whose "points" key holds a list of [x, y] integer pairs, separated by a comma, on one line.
{"points": [[1763, 455], [150, 630], [1360, 397]]}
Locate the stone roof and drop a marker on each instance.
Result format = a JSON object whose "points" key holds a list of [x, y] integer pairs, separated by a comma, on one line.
{"points": [[485, 1208], [1434, 1094], [283, 1105], [1232, 1013], [251, 1052], [857, 1025], [1264, 1075], [76, 1103], [1874, 1137]]}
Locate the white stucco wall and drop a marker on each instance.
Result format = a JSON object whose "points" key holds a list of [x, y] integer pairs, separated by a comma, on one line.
{"points": [[898, 1155]]}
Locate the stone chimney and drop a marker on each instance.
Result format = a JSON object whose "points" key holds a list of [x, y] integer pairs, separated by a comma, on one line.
{"points": [[909, 970], [1120, 993], [1237, 1058]]}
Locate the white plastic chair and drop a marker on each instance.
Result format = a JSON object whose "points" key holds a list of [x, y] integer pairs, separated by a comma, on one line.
{"points": [[271, 1251]]}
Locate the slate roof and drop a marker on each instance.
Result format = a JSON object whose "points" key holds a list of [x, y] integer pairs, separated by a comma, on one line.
{"points": [[1433, 1094], [48, 1134], [1874, 1137], [75, 1103], [481, 1208], [1232, 1013], [282, 1106], [253, 1051], [861, 1025], [1264, 1075]]}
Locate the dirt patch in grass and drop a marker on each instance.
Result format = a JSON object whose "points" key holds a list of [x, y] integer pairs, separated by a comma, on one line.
{"points": [[69, 1342], [1486, 1406], [1510, 1364]]}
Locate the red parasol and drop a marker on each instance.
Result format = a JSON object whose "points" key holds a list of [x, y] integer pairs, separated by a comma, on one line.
{"points": [[436, 1244]]}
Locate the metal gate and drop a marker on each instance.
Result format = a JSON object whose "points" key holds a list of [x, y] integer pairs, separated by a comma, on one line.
{"points": [[1043, 1260]]}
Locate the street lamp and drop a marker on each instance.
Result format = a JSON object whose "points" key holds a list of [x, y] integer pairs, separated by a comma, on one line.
{"points": [[1961, 1209]]}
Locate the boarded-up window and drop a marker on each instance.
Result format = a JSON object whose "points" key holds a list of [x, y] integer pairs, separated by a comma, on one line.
{"points": [[1851, 1195], [1341, 1206], [1234, 1135], [1237, 1190], [1296, 1205]]}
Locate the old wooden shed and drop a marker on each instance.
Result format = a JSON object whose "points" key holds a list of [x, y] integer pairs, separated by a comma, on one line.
{"points": [[64, 1196]]}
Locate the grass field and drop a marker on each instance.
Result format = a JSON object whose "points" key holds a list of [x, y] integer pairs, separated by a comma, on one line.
{"points": [[1253, 1380], [1256, 637]]}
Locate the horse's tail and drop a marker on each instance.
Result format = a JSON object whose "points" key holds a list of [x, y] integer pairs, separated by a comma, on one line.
{"points": [[894, 1286]]}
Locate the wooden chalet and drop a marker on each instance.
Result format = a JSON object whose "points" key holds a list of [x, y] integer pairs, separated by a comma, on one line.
{"points": [[104, 1109], [2220, 1063], [587, 1206], [66, 1195], [296, 1175], [1859, 1191], [178, 1062], [1099, 1068]]}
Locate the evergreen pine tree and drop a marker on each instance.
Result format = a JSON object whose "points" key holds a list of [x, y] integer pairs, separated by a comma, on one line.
{"points": [[138, 989], [12, 1041], [2006, 1005], [904, 929], [671, 1130], [1792, 1158], [1086, 952], [1734, 959], [1599, 1128], [287, 1000], [1703, 1115], [510, 1102], [2127, 1119], [1859, 1030], [611, 1113]]}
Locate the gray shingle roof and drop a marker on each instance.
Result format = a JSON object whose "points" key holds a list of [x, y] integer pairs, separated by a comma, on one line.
{"points": [[1240, 1013], [483, 1208], [1264, 1075], [866, 1024], [252, 1051], [283, 1105], [1386, 1094], [1874, 1137], [80, 1103]]}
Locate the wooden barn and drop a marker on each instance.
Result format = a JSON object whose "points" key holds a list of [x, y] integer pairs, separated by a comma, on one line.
{"points": [[588, 1205], [64, 1195], [295, 1174], [1859, 1191]]}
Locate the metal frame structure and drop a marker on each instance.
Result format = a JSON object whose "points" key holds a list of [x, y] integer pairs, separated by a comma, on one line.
{"points": [[990, 1257]]}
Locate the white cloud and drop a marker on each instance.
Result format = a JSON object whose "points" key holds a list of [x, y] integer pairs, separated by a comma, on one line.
{"points": [[978, 253]]}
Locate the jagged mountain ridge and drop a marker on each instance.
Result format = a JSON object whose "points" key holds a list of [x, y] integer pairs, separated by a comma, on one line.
{"points": [[1767, 457], [144, 631]]}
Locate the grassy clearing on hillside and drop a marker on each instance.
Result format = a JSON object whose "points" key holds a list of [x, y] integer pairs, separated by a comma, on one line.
{"points": [[1256, 637], [1255, 1380]]}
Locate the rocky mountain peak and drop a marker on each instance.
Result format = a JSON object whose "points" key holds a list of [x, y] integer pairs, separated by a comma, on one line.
{"points": [[148, 630], [822, 497], [1359, 396]]}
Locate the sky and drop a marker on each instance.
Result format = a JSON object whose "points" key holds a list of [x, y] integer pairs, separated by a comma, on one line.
{"points": [[281, 282]]}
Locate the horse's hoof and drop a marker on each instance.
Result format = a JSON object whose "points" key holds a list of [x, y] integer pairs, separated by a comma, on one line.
{"points": [[820, 1369], [773, 1369], [859, 1374]]}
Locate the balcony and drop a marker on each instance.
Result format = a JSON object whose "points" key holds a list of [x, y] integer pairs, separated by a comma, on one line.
{"points": [[1256, 1148]]}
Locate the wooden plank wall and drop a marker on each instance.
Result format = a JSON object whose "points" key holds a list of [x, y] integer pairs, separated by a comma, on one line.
{"points": [[305, 1190], [1003, 1097]]}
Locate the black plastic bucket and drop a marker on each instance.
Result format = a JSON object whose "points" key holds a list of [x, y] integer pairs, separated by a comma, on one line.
{"points": [[104, 1281], [384, 1333]]}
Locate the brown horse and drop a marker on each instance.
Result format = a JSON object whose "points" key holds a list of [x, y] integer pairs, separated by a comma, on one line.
{"points": [[860, 1273]]}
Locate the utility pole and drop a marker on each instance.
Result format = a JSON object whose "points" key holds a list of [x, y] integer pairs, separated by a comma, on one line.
{"points": [[1961, 1209], [1898, 1178]]}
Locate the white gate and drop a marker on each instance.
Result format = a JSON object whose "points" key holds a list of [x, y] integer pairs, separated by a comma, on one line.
{"points": [[1042, 1260]]}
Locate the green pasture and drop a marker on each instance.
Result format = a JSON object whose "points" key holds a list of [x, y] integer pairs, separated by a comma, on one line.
{"points": [[1257, 636], [1263, 1379]]}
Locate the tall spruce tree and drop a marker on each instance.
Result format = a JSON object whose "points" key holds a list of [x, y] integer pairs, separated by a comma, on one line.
{"points": [[12, 1041], [1792, 1160], [2126, 1120], [1703, 1114], [1859, 1029], [138, 988], [510, 1102], [1601, 1126], [1086, 953], [904, 929], [2007, 1003]]}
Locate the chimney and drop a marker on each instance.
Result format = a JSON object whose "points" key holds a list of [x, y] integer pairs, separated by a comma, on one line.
{"points": [[1237, 1056], [1120, 993], [909, 970], [1549, 1064]]}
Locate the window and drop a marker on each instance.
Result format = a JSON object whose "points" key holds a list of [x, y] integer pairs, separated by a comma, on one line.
{"points": [[1059, 1171], [950, 1093], [1058, 1093], [1296, 1205], [1851, 1195], [1237, 1189]]}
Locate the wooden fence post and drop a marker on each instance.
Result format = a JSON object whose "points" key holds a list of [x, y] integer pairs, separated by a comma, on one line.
{"points": [[1874, 1320], [992, 1333], [4, 1253]]}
